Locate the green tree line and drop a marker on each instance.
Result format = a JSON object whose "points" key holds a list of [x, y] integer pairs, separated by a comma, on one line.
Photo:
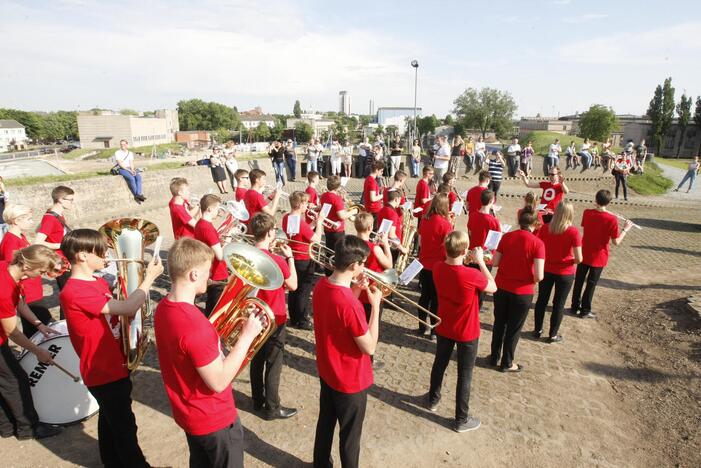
{"points": [[45, 127]]}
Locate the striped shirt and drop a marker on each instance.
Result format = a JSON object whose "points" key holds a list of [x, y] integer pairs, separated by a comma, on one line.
{"points": [[496, 170]]}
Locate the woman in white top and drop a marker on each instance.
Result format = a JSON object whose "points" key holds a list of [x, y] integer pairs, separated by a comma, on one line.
{"points": [[335, 158], [347, 158]]}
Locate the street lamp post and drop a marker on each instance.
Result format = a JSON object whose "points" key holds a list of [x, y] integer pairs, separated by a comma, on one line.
{"points": [[415, 64]]}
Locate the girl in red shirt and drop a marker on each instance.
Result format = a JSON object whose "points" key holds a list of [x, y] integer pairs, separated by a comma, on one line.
{"points": [[563, 250], [433, 230], [529, 200], [520, 257]]}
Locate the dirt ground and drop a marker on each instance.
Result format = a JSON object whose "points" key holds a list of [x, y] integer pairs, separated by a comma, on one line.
{"points": [[622, 390]]}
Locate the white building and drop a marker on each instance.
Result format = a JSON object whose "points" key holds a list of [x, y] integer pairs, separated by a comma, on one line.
{"points": [[396, 116], [12, 136], [106, 129], [316, 121], [251, 122], [344, 103]]}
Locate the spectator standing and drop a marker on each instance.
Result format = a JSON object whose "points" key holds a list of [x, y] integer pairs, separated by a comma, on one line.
{"points": [[621, 169], [216, 166], [553, 158], [496, 171], [335, 157], [232, 165], [691, 173], [513, 154], [527, 158], [415, 158], [347, 158], [125, 160], [441, 159], [457, 150], [363, 149], [277, 157], [480, 153], [641, 156], [313, 154], [395, 157], [291, 159]]}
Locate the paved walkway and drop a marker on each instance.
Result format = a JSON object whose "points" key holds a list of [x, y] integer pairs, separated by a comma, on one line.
{"points": [[676, 175]]}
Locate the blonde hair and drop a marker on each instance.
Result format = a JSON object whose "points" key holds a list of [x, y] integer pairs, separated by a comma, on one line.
{"points": [[209, 200], [563, 217], [363, 222], [15, 211], [176, 184], [36, 257], [530, 200], [456, 243], [186, 254], [297, 198]]}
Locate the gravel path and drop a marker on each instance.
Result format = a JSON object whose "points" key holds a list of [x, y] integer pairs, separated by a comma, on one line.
{"points": [[677, 175]]}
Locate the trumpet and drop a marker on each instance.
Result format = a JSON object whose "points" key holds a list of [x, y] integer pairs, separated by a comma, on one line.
{"points": [[269, 190], [314, 216], [387, 281]]}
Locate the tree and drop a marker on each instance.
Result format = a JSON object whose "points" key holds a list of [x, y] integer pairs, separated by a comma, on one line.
{"points": [[667, 106], [486, 109], [448, 120], [262, 132], [697, 117], [654, 111], [196, 114], [128, 112], [297, 109], [426, 125], [222, 135], [684, 113], [598, 123], [303, 132], [276, 131]]}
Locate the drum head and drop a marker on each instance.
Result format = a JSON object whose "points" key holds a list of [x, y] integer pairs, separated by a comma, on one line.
{"points": [[57, 398]]}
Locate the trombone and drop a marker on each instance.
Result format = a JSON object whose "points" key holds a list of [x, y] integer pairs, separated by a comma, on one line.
{"points": [[387, 281]]}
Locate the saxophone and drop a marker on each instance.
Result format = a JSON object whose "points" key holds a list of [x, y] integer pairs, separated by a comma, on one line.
{"points": [[408, 235]]}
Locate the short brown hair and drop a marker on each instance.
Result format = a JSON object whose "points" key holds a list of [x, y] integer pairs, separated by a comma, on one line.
{"points": [[484, 176], [297, 198], [456, 243], [448, 176], [36, 257], [378, 166], [399, 175], [209, 200], [363, 222], [486, 197], [427, 169], [176, 184], [240, 173], [311, 175], [83, 240], [186, 254], [527, 218], [255, 174], [261, 224], [60, 192], [333, 182], [393, 195]]}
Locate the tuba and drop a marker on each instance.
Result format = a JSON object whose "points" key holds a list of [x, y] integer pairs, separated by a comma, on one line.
{"points": [[252, 270], [128, 237]]}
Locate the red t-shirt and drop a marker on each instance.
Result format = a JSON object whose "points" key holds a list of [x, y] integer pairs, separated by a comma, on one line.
{"points": [[205, 232], [387, 212], [432, 234], [452, 198], [186, 341], [371, 186], [240, 193], [9, 297], [518, 251], [600, 228], [474, 200], [52, 228], [276, 298], [422, 191], [313, 195], [478, 225], [558, 249], [338, 319], [94, 335], [372, 264], [337, 204], [254, 202], [180, 217], [552, 194], [31, 287], [458, 303], [305, 234]]}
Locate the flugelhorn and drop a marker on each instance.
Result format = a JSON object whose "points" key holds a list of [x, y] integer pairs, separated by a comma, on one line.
{"points": [[128, 237], [252, 270]]}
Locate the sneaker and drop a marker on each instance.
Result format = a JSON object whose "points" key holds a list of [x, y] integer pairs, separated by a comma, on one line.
{"points": [[433, 405], [587, 315], [432, 337], [536, 334], [44, 431], [471, 424], [555, 339]]}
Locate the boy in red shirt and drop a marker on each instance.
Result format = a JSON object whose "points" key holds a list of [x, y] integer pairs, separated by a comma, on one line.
{"points": [[600, 228], [553, 191], [345, 340], [520, 257], [242, 184], [481, 222], [423, 193], [391, 212], [53, 226], [397, 186], [458, 307], [298, 300], [372, 196], [183, 217], [20, 417], [196, 375], [474, 203], [311, 190], [254, 200], [206, 233], [337, 214], [94, 329], [268, 360]]}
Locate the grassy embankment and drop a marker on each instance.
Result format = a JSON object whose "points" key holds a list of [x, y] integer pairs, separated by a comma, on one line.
{"points": [[678, 163]]}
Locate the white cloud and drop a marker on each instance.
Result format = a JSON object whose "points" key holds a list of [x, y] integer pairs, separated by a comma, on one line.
{"points": [[585, 18], [561, 2]]}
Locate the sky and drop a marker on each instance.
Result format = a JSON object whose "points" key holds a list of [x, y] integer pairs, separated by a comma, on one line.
{"points": [[555, 57]]}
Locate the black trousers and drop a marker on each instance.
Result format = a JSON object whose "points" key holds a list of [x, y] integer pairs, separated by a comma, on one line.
{"points": [[512, 163], [591, 275], [429, 297], [42, 314], [116, 425], [330, 239], [494, 186], [266, 368], [563, 285], [480, 294], [61, 282], [621, 179], [298, 300], [17, 415], [348, 409], [510, 312], [467, 353], [214, 291], [218, 449]]}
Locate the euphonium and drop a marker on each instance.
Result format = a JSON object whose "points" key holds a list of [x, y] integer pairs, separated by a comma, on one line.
{"points": [[252, 270], [128, 237]]}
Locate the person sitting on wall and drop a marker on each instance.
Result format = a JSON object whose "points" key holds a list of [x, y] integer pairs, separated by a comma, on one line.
{"points": [[125, 160]]}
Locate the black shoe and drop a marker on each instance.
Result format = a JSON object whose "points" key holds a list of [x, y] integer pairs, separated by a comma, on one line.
{"points": [[6, 435], [574, 310], [432, 337], [555, 339], [137, 200], [305, 325], [492, 361], [280, 413], [587, 315], [432, 405], [470, 425], [536, 334], [519, 368], [44, 431], [140, 197], [258, 407]]}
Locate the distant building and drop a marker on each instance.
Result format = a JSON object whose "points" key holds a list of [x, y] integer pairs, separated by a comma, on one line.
{"points": [[530, 124], [252, 121], [193, 138], [317, 121], [106, 129], [344, 103], [13, 137], [396, 116]]}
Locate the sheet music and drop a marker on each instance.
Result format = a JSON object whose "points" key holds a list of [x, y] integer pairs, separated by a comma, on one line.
{"points": [[496, 208], [157, 246], [344, 181], [408, 205], [293, 224], [325, 210], [457, 207], [505, 228], [541, 207], [492, 240], [410, 272], [385, 226]]}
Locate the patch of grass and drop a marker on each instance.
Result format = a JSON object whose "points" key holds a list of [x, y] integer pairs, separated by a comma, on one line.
{"points": [[76, 153], [146, 150], [678, 163], [652, 182], [542, 141]]}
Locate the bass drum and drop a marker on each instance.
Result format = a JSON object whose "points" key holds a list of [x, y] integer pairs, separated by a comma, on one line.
{"points": [[57, 398]]}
